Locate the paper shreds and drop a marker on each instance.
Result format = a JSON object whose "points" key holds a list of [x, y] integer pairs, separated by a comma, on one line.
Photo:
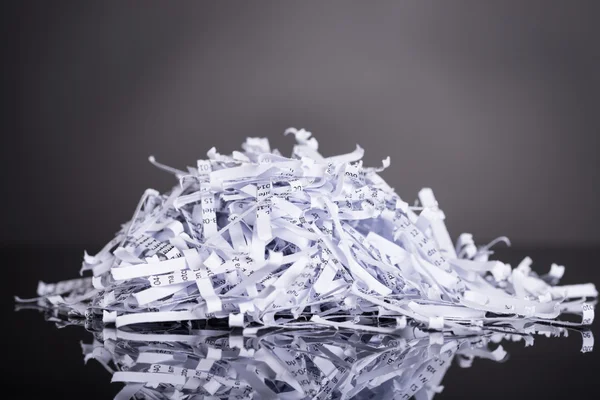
{"points": [[197, 361], [259, 239]]}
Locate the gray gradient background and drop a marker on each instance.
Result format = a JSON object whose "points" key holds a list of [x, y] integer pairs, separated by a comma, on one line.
{"points": [[492, 104]]}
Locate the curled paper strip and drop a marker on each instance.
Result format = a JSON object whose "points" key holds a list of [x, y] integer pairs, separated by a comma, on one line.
{"points": [[211, 361], [259, 239]]}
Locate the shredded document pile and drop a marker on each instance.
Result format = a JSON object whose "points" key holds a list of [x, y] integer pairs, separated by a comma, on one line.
{"points": [[263, 240]]}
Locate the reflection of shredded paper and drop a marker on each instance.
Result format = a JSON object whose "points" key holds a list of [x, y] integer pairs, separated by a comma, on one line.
{"points": [[257, 238], [200, 361]]}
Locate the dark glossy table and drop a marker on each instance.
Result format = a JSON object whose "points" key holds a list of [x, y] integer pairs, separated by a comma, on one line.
{"points": [[41, 360]]}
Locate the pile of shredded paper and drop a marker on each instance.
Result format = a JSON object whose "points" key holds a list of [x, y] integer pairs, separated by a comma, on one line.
{"points": [[262, 240]]}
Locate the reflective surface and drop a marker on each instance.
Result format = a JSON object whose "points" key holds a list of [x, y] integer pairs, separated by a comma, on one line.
{"points": [[287, 363]]}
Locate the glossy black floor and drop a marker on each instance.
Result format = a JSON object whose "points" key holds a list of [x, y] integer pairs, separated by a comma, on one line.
{"points": [[41, 360]]}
